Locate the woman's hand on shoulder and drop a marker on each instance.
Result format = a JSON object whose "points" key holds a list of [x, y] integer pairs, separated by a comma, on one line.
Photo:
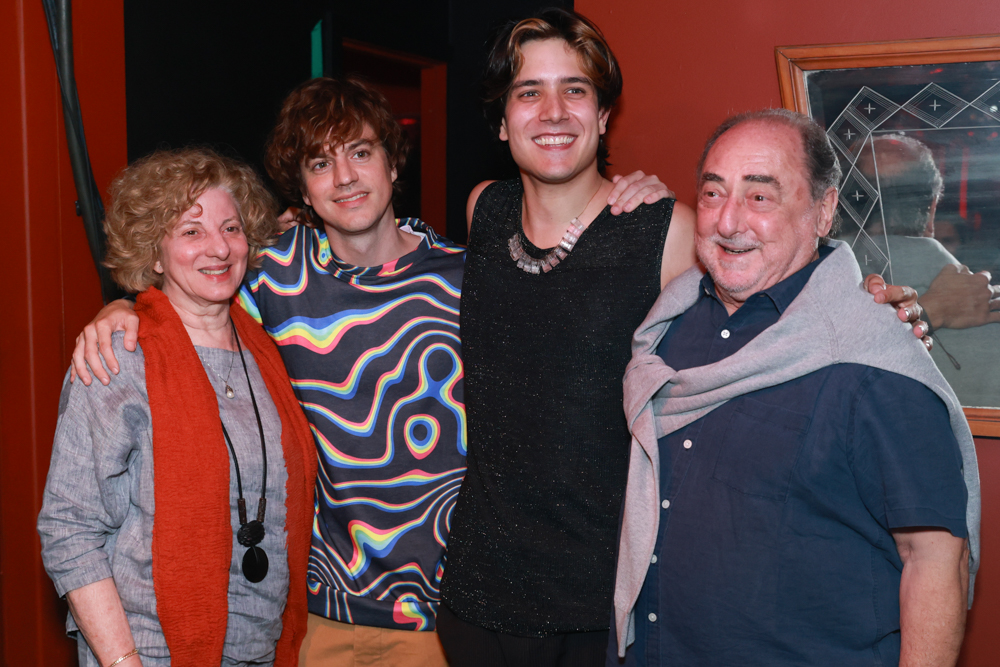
{"points": [[634, 189], [95, 342]]}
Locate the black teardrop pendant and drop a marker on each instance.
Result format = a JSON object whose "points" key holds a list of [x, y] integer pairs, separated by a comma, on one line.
{"points": [[255, 565]]}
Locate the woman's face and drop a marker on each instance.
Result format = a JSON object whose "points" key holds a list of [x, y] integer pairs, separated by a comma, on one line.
{"points": [[204, 256]]}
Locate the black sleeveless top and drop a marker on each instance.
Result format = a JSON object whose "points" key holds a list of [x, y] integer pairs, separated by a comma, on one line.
{"points": [[532, 544]]}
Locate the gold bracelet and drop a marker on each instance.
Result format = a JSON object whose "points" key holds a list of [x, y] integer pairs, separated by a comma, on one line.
{"points": [[124, 657]]}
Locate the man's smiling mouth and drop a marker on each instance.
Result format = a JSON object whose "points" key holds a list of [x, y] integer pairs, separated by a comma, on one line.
{"points": [[557, 140], [351, 198]]}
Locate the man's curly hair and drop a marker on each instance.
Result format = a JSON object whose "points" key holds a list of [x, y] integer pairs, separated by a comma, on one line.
{"points": [[325, 112]]}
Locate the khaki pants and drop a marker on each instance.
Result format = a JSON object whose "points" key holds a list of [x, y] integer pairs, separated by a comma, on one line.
{"points": [[333, 644]]}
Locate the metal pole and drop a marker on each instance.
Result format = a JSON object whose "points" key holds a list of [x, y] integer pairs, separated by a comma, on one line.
{"points": [[89, 204]]}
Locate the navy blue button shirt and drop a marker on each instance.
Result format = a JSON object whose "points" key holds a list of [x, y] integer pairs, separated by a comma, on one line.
{"points": [[775, 544]]}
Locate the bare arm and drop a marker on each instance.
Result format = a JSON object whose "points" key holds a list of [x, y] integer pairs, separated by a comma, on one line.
{"points": [[99, 614], [933, 592], [678, 251], [86, 500], [95, 340], [470, 206]]}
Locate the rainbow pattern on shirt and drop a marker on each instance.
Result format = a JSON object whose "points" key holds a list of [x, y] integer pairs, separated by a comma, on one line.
{"points": [[374, 356]]}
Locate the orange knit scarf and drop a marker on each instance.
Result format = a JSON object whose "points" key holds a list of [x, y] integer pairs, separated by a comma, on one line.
{"points": [[192, 534]]}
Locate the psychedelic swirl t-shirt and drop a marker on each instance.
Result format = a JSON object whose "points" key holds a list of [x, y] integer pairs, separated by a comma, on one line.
{"points": [[375, 359]]}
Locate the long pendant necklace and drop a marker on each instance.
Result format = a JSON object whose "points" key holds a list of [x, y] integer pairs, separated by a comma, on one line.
{"points": [[229, 390], [546, 263], [251, 533]]}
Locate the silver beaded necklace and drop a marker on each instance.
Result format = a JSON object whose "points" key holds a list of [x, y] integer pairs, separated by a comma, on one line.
{"points": [[546, 263]]}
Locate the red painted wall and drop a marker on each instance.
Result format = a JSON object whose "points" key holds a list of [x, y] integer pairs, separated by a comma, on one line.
{"points": [[687, 66], [50, 285]]}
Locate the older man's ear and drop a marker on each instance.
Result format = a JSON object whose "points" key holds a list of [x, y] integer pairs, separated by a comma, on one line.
{"points": [[828, 210]]}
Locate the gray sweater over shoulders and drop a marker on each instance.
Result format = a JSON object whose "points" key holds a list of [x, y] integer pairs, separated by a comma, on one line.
{"points": [[833, 320]]}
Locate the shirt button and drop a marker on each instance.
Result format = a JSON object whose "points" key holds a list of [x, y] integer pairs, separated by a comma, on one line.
{"points": [[687, 444], [665, 504], [653, 559], [725, 333], [652, 618]]}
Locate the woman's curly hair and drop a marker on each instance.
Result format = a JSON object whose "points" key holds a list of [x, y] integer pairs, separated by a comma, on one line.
{"points": [[149, 196]]}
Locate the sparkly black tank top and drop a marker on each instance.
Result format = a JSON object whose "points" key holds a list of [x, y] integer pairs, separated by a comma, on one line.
{"points": [[532, 544]]}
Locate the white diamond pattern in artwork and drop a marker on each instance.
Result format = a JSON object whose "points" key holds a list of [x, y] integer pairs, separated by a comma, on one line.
{"points": [[935, 105]]}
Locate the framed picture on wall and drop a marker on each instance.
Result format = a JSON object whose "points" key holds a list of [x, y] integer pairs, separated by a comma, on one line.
{"points": [[916, 126]]}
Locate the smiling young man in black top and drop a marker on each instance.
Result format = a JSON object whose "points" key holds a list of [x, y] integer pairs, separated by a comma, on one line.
{"points": [[545, 341]]}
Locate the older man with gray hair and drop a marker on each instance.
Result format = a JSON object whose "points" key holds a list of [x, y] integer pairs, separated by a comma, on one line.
{"points": [[803, 486]]}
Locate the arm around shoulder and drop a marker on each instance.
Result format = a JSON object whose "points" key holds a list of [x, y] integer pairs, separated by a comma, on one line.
{"points": [[678, 250], [95, 341], [470, 206]]}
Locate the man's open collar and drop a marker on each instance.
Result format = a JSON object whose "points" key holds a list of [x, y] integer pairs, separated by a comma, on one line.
{"points": [[783, 293]]}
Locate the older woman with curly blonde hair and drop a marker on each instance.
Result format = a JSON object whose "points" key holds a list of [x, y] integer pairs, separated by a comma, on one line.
{"points": [[177, 508]]}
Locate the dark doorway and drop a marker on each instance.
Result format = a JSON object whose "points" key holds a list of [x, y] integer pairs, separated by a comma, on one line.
{"points": [[216, 72], [416, 88]]}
